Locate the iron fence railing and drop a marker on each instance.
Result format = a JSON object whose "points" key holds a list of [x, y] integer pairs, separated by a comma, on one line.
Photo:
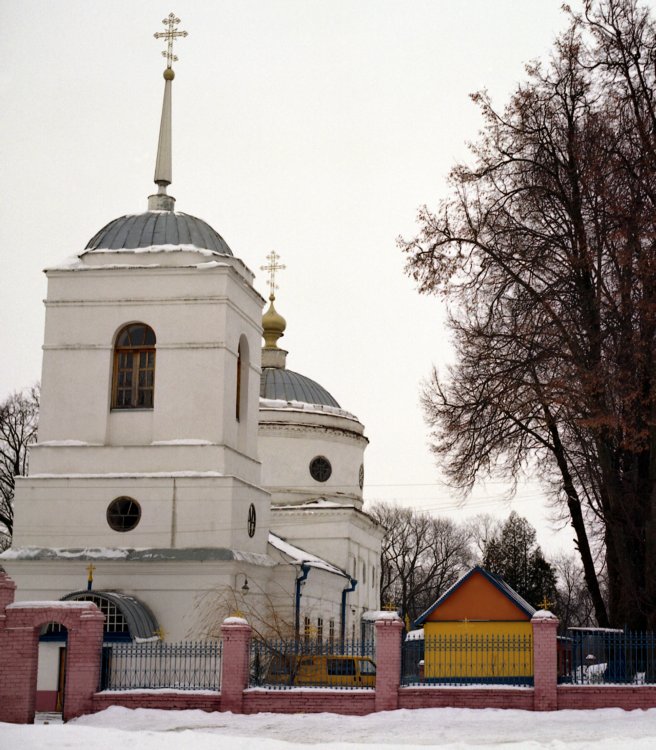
{"points": [[604, 656], [468, 660], [190, 665], [281, 664]]}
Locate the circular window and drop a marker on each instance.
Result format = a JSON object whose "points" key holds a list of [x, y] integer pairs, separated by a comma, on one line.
{"points": [[252, 519], [123, 514], [320, 468], [361, 476]]}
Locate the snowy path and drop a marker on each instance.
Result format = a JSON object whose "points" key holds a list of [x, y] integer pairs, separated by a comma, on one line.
{"points": [[448, 729]]}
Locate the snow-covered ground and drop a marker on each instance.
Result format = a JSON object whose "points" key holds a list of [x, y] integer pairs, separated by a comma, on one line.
{"points": [[446, 728]]}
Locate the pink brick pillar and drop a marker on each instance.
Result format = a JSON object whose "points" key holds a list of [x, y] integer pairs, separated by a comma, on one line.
{"points": [[83, 657], [388, 662], [10, 711], [7, 592], [235, 660], [545, 661], [18, 674]]}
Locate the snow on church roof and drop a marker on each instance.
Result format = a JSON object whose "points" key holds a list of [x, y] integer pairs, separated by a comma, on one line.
{"points": [[298, 555]]}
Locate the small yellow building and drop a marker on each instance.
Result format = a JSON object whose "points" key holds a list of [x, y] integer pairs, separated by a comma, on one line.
{"points": [[479, 630]]}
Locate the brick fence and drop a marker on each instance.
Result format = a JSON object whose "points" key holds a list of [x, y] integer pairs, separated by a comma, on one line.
{"points": [[20, 623]]}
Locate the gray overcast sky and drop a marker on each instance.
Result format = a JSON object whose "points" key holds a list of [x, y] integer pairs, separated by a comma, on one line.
{"points": [[312, 127]]}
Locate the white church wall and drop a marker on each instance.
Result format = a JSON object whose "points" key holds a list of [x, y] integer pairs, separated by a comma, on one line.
{"points": [[195, 326], [202, 511]]}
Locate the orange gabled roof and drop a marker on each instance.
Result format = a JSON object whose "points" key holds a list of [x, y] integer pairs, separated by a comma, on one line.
{"points": [[478, 595]]}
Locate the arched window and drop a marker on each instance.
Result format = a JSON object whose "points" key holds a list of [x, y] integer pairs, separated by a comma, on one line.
{"points": [[134, 368], [241, 390], [240, 364]]}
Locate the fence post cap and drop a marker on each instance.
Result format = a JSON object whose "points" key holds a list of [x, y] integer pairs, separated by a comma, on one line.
{"points": [[544, 614], [234, 620], [387, 616]]}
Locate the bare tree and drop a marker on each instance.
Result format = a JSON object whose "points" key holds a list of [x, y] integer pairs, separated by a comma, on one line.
{"points": [[270, 615], [19, 416], [572, 602], [548, 248], [482, 529], [421, 557]]}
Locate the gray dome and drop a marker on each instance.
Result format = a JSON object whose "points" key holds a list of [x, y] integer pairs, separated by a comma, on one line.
{"points": [[287, 385], [158, 228]]}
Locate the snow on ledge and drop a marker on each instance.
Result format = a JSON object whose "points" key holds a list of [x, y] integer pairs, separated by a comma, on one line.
{"points": [[181, 248], [65, 443], [158, 691], [183, 441], [235, 621], [84, 553], [49, 605], [282, 405], [132, 474]]}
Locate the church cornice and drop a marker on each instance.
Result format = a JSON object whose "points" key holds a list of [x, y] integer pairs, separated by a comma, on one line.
{"points": [[271, 427]]}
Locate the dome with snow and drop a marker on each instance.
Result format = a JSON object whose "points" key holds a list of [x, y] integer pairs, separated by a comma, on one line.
{"points": [[287, 385], [156, 229]]}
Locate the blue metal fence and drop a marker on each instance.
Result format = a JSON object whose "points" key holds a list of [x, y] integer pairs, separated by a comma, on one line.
{"points": [[468, 660], [594, 656], [191, 665], [283, 664]]}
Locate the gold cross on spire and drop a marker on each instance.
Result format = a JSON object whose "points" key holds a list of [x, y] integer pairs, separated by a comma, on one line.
{"points": [[171, 33], [273, 266]]}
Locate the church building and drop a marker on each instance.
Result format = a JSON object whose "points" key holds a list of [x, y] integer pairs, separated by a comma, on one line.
{"points": [[182, 472]]}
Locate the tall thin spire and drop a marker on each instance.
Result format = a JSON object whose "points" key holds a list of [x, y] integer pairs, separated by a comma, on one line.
{"points": [[160, 201]]}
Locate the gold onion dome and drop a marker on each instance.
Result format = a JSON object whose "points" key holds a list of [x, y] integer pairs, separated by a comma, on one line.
{"points": [[273, 324]]}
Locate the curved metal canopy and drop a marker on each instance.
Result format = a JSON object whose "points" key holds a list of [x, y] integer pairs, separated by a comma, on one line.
{"points": [[141, 621]]}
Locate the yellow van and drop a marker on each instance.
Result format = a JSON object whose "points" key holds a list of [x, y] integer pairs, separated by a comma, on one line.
{"points": [[332, 670]]}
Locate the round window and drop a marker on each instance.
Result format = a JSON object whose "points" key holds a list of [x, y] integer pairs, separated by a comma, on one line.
{"points": [[320, 468], [252, 520], [123, 514], [361, 476]]}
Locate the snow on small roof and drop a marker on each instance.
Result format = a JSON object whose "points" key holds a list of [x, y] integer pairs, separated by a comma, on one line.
{"points": [[298, 555], [495, 580], [415, 635], [592, 631]]}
